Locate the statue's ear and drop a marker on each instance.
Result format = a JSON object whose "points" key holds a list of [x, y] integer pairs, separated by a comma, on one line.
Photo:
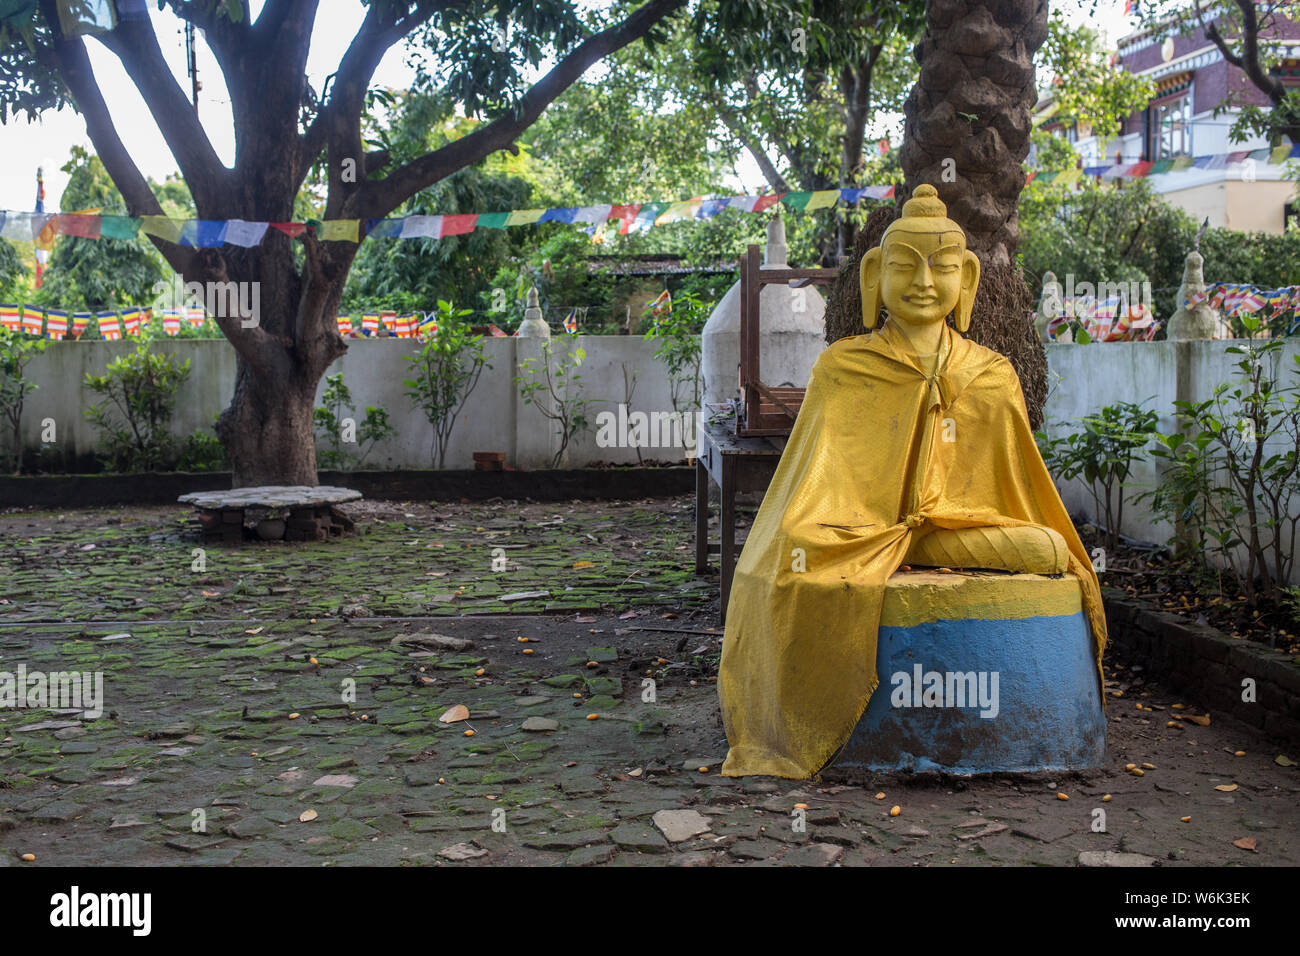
{"points": [[869, 277], [970, 280]]}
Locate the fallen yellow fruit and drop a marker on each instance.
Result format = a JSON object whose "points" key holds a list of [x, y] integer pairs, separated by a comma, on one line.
{"points": [[469, 733], [1185, 819], [880, 796], [593, 716], [1148, 766], [895, 811], [1062, 796], [1106, 798], [28, 857]]}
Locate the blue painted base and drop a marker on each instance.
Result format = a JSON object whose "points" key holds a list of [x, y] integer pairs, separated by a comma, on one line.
{"points": [[1034, 678]]}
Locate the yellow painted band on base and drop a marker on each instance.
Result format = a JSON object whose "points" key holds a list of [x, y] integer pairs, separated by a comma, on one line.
{"points": [[919, 597]]}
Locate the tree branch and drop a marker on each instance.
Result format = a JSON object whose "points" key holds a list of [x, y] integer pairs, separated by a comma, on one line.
{"points": [[338, 121], [765, 165], [1248, 60], [378, 198], [136, 45]]}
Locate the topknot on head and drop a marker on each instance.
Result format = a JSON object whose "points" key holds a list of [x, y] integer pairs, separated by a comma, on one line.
{"points": [[925, 201]]}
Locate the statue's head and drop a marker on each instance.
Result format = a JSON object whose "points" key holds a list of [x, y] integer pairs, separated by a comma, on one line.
{"points": [[922, 269]]}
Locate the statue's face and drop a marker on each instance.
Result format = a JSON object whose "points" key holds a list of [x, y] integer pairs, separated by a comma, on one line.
{"points": [[921, 275]]}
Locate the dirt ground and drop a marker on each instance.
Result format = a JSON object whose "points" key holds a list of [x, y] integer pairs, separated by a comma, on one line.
{"points": [[280, 704]]}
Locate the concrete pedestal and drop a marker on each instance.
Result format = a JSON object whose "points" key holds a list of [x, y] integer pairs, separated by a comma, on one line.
{"points": [[981, 673]]}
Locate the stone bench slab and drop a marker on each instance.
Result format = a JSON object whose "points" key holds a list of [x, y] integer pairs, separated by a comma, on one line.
{"points": [[271, 496]]}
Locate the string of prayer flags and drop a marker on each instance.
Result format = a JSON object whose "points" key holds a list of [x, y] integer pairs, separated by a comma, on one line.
{"points": [[209, 233], [1269, 155]]}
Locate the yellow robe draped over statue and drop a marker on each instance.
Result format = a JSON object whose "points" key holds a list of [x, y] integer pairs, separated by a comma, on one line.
{"points": [[881, 451]]}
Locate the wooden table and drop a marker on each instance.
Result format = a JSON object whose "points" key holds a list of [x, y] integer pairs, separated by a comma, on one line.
{"points": [[734, 465]]}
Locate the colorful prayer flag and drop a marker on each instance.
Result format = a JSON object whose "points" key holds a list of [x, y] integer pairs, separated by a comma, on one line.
{"points": [[11, 317], [56, 323], [110, 327], [339, 230], [458, 225], [32, 319], [571, 321]]}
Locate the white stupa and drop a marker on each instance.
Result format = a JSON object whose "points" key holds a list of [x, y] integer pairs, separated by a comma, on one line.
{"points": [[792, 331]]}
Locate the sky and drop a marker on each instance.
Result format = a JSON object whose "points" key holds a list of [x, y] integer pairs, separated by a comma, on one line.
{"points": [[48, 142]]}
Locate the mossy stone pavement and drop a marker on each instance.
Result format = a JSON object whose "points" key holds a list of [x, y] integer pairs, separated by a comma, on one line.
{"points": [[280, 704]]}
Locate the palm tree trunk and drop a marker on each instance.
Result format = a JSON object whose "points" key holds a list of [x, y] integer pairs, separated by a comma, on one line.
{"points": [[967, 126]]}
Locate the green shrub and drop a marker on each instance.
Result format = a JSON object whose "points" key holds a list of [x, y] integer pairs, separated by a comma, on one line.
{"points": [[339, 429], [139, 391], [447, 368], [1102, 454], [1232, 475]]}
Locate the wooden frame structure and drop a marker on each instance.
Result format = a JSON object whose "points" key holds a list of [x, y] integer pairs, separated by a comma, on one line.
{"points": [[765, 410]]}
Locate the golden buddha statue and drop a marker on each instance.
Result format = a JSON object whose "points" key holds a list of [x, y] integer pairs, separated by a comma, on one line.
{"points": [[912, 447]]}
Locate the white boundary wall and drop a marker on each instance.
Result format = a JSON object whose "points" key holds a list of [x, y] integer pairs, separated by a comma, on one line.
{"points": [[1082, 379], [494, 419]]}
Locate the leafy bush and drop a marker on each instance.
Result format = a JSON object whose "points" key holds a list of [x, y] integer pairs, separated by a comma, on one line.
{"points": [[202, 451], [139, 391], [340, 429], [555, 390], [678, 333], [1233, 473], [1102, 453], [447, 368]]}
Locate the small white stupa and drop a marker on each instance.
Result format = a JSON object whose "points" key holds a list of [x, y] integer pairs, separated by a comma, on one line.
{"points": [[792, 331], [533, 326]]}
